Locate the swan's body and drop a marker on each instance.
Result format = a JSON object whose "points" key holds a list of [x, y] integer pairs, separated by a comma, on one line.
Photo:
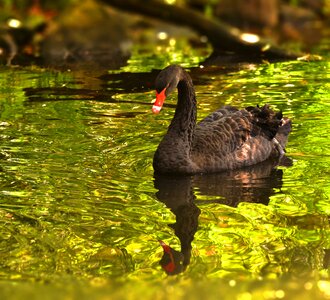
{"points": [[227, 139]]}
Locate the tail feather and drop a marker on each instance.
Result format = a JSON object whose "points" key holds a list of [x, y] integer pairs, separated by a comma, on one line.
{"points": [[283, 132], [265, 121], [271, 124]]}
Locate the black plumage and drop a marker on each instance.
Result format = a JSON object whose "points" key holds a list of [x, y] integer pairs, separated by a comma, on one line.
{"points": [[226, 139]]}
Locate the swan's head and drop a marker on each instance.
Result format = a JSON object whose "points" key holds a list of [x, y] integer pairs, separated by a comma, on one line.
{"points": [[166, 81]]}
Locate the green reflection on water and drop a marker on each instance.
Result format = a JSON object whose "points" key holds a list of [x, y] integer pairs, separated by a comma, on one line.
{"points": [[170, 52], [78, 204]]}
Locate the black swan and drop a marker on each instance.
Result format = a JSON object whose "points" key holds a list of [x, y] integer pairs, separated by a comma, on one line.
{"points": [[226, 139]]}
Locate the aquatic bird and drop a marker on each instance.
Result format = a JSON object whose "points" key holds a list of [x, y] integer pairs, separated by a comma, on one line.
{"points": [[227, 139]]}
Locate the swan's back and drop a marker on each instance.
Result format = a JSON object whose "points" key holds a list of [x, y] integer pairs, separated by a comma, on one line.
{"points": [[230, 138]]}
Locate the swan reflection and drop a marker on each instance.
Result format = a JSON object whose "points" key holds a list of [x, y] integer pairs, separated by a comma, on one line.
{"points": [[253, 184]]}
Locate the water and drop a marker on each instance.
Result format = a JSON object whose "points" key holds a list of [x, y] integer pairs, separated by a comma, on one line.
{"points": [[81, 210]]}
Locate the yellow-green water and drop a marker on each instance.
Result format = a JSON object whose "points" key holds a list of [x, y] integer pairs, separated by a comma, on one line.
{"points": [[81, 212]]}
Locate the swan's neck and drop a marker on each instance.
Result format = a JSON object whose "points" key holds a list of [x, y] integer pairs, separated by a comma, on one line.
{"points": [[173, 153], [184, 120]]}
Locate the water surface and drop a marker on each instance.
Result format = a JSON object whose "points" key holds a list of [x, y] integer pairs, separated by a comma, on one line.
{"points": [[80, 207]]}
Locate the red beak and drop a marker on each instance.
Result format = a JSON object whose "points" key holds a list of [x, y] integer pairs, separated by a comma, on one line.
{"points": [[170, 265], [160, 98]]}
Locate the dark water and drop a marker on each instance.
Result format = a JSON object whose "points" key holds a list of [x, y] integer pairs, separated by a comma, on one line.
{"points": [[81, 211]]}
